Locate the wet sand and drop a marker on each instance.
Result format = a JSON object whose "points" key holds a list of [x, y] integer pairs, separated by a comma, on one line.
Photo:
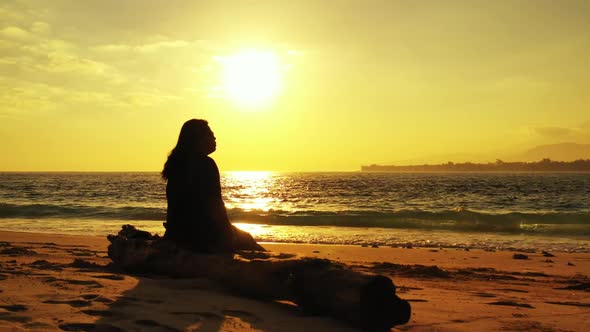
{"points": [[59, 282]]}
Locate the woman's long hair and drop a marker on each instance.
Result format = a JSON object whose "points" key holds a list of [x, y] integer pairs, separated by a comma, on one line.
{"points": [[191, 134]]}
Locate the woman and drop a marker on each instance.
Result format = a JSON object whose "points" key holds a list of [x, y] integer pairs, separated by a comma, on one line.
{"points": [[196, 217]]}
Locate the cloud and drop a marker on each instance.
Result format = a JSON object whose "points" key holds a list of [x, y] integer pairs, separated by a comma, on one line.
{"points": [[112, 48], [58, 62], [579, 134], [163, 45], [15, 33], [553, 132], [38, 57], [10, 15], [40, 28], [55, 61], [153, 47], [144, 99], [22, 98]]}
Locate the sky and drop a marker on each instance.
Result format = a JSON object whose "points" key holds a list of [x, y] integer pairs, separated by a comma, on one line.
{"points": [[106, 85]]}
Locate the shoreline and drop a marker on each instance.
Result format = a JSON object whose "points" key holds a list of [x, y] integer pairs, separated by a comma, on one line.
{"points": [[449, 290], [331, 235]]}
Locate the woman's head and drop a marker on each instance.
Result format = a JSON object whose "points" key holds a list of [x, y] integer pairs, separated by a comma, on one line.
{"points": [[196, 138]]}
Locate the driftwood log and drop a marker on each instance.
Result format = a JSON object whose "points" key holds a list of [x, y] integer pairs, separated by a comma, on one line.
{"points": [[318, 286]]}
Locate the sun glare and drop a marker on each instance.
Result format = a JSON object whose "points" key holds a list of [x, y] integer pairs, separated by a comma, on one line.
{"points": [[250, 77]]}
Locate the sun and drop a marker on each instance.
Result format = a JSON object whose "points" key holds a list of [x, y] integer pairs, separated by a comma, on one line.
{"points": [[251, 77]]}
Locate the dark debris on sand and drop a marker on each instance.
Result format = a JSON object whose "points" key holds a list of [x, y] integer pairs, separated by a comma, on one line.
{"points": [[512, 304], [45, 265], [569, 303], [82, 264], [520, 256], [582, 286], [73, 303], [17, 251], [14, 307]]}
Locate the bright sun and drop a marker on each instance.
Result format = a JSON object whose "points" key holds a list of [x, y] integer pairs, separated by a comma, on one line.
{"points": [[250, 77]]}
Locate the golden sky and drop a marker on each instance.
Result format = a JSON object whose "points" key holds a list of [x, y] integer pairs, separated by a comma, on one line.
{"points": [[106, 85]]}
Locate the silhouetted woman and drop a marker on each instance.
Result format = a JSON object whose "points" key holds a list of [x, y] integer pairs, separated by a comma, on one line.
{"points": [[196, 217]]}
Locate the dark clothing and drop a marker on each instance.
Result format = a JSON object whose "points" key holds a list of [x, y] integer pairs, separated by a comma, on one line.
{"points": [[196, 218]]}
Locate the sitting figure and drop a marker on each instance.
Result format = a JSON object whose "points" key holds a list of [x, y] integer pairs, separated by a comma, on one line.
{"points": [[196, 218]]}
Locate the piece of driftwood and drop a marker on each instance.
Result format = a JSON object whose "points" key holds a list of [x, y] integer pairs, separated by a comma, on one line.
{"points": [[318, 286]]}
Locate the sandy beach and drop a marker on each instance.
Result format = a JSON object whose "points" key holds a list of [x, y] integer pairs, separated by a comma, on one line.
{"points": [[59, 282]]}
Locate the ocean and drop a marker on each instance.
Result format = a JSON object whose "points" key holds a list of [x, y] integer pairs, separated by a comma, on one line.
{"points": [[492, 211]]}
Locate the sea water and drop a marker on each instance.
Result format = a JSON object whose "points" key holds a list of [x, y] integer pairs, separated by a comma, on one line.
{"points": [[477, 210]]}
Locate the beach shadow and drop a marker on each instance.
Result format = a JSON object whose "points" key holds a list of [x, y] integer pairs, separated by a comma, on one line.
{"points": [[193, 304], [162, 304]]}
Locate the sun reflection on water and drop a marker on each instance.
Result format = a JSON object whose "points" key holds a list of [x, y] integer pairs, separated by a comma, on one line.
{"points": [[256, 230], [249, 190]]}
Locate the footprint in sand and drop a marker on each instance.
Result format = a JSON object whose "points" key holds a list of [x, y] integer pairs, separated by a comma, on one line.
{"points": [[90, 327], [514, 290], [568, 303], [17, 251], [38, 326], [73, 303], [9, 317], [524, 325], [82, 253], [96, 298], [109, 276], [90, 296], [103, 299], [512, 304], [90, 283], [86, 265], [42, 264], [14, 307], [580, 286]]}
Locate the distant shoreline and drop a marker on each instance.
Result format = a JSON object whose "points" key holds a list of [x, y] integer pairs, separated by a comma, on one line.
{"points": [[475, 172], [543, 166]]}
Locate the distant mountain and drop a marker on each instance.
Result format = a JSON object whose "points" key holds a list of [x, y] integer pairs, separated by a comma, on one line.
{"points": [[560, 152]]}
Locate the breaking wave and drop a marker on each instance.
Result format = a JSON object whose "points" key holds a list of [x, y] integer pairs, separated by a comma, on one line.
{"points": [[548, 223]]}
